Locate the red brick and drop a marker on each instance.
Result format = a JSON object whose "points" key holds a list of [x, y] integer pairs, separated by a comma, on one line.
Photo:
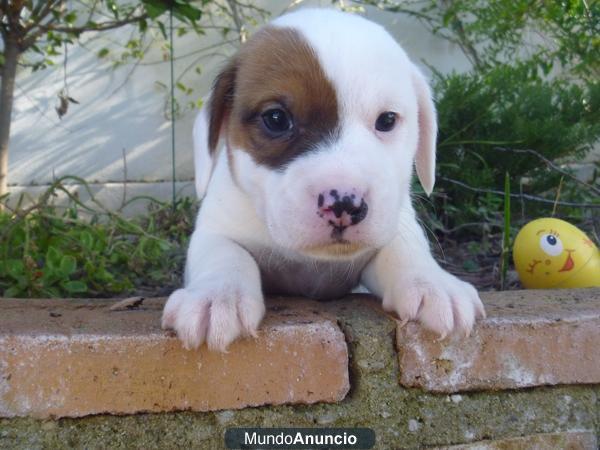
{"points": [[76, 357], [530, 338], [582, 440]]}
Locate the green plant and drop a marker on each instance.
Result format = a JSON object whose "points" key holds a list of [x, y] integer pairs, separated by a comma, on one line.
{"points": [[548, 35], [505, 256], [50, 251], [488, 120]]}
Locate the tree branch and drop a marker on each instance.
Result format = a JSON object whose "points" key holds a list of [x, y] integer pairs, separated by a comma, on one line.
{"points": [[97, 27], [3, 32], [40, 12], [239, 25]]}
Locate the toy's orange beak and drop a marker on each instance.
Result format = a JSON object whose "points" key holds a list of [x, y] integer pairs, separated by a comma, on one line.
{"points": [[569, 263]]}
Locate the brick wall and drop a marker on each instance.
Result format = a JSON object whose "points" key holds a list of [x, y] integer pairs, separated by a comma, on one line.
{"points": [[76, 373]]}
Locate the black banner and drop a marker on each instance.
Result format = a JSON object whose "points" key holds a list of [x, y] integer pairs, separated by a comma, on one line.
{"points": [[299, 438]]}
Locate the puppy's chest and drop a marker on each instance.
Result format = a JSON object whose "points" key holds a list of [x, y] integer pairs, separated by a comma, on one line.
{"points": [[316, 279]]}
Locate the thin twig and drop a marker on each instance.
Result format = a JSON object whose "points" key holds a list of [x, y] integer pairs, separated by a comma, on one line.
{"points": [[42, 113], [124, 198], [529, 197], [239, 25], [558, 191], [549, 164]]}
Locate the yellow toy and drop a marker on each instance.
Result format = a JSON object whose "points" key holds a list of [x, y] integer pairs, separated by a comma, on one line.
{"points": [[552, 253]]}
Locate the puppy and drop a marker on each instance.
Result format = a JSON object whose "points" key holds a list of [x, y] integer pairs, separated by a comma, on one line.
{"points": [[304, 156]]}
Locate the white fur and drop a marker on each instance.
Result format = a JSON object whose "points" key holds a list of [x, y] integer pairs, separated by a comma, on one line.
{"points": [[203, 163], [265, 220]]}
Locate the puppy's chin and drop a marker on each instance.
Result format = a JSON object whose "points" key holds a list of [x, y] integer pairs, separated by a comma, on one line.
{"points": [[335, 250]]}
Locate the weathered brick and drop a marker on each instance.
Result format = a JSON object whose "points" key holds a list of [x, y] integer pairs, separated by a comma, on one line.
{"points": [[76, 357], [530, 338], [576, 440]]}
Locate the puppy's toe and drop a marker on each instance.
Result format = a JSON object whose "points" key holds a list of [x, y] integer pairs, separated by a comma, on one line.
{"points": [[172, 307], [464, 313], [479, 308], [405, 299], [467, 306], [192, 320], [436, 313], [224, 326], [250, 314]]}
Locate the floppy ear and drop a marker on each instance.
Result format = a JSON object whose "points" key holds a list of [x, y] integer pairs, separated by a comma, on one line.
{"points": [[425, 156], [210, 124]]}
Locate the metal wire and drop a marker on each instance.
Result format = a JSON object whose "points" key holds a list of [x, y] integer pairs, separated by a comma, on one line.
{"points": [[172, 54]]}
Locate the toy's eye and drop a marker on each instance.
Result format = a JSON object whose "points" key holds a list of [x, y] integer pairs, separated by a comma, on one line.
{"points": [[551, 244]]}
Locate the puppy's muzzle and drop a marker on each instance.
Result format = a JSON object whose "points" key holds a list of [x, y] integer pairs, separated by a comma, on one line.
{"points": [[341, 210]]}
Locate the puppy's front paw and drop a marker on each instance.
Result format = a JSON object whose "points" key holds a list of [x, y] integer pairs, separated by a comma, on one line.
{"points": [[437, 299], [216, 316]]}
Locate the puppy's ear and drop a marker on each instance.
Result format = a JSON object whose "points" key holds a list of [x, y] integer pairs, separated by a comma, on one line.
{"points": [[210, 124], [425, 157]]}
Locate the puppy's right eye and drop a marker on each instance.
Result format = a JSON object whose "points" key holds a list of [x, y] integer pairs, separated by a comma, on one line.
{"points": [[386, 121], [277, 122]]}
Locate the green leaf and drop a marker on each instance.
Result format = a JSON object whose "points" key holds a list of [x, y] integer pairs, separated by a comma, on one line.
{"points": [[68, 265], [113, 7], [155, 8], [53, 258], [12, 291], [163, 31], [71, 17], [102, 53], [15, 268], [87, 240], [471, 265], [51, 292], [74, 287], [164, 245], [99, 244], [187, 11], [104, 276]]}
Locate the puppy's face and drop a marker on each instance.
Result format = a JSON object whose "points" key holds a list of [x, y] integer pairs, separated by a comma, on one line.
{"points": [[321, 124]]}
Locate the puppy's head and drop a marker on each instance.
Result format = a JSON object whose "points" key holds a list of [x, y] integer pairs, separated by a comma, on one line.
{"points": [[322, 115]]}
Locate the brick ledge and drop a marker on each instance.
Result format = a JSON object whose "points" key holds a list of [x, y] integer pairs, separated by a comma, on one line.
{"points": [[530, 338], [94, 360], [568, 440]]}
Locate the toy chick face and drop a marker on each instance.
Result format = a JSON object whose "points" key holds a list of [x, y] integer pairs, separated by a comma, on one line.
{"points": [[549, 252]]}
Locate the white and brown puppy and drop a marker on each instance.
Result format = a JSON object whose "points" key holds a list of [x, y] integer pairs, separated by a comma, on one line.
{"points": [[304, 157]]}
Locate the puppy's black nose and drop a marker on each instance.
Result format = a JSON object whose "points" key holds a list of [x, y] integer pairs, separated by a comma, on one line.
{"points": [[342, 209], [349, 204]]}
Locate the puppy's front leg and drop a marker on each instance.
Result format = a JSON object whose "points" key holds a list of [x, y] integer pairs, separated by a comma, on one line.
{"points": [[414, 286], [222, 298]]}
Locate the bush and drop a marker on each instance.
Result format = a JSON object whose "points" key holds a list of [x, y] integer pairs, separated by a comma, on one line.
{"points": [[487, 119], [47, 251]]}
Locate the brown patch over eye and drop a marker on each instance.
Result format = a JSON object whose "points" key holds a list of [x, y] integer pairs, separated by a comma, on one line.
{"points": [[283, 104]]}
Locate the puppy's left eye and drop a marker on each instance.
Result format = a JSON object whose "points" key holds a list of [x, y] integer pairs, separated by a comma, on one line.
{"points": [[386, 121]]}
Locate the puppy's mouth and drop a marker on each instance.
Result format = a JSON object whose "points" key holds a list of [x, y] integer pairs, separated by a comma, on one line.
{"points": [[340, 248]]}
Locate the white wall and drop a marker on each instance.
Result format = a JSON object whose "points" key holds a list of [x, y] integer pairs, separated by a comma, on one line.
{"points": [[123, 110]]}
